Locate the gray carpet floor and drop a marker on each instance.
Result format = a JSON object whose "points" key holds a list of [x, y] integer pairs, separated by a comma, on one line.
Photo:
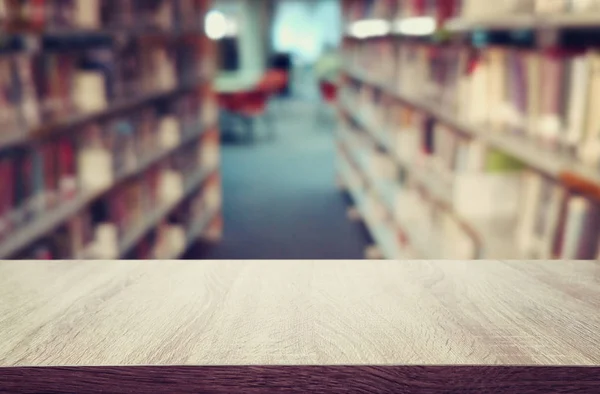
{"points": [[280, 198]]}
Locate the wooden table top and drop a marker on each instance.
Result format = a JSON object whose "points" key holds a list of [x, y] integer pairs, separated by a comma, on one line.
{"points": [[301, 313]]}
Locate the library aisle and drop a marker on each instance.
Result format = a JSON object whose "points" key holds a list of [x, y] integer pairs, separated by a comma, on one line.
{"points": [[280, 199]]}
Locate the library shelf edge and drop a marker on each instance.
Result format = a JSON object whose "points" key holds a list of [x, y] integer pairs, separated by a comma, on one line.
{"points": [[31, 41], [191, 237], [535, 22], [22, 138], [557, 166], [490, 236], [427, 326], [379, 234], [31, 232], [131, 239], [524, 21], [418, 247]]}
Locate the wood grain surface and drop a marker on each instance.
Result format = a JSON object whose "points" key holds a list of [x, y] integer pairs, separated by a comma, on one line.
{"points": [[299, 327], [299, 313]]}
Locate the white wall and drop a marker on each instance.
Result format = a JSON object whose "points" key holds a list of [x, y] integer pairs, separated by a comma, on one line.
{"points": [[250, 42], [303, 27]]}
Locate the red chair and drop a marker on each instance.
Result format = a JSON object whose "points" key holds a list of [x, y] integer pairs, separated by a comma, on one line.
{"points": [[273, 84], [252, 105], [274, 81], [328, 92]]}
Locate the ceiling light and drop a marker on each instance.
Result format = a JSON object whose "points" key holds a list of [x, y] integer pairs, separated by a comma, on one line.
{"points": [[369, 28], [416, 26]]}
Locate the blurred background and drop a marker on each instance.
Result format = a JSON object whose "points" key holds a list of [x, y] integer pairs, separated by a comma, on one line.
{"points": [[299, 129]]}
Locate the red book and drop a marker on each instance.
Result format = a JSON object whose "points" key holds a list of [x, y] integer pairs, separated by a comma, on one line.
{"points": [[419, 7], [38, 195], [37, 15], [42, 252], [25, 185], [46, 154], [50, 154], [66, 169], [153, 184], [65, 74], [117, 211], [6, 196], [447, 9], [143, 250]]}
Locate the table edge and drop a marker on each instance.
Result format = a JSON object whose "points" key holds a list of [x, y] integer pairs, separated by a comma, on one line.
{"points": [[302, 379]]}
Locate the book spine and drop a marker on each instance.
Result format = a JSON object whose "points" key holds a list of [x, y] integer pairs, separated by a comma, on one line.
{"points": [[578, 99], [581, 229], [589, 149], [6, 197], [531, 188], [67, 171], [533, 92], [50, 173], [554, 212], [549, 121], [9, 98], [521, 96], [587, 244], [86, 14], [38, 196], [25, 185], [30, 111]]}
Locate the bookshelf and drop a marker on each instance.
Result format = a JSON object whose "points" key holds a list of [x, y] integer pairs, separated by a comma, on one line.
{"points": [[109, 147], [474, 129]]}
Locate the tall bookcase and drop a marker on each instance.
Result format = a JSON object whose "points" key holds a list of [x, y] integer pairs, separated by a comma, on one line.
{"points": [[469, 129], [109, 143]]}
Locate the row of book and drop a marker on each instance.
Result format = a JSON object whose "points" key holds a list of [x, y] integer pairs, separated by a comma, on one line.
{"points": [[41, 176], [548, 97], [35, 15], [171, 184], [481, 9], [368, 205], [447, 170], [415, 134], [421, 227], [356, 10], [442, 10], [107, 127], [160, 185], [126, 142], [556, 223], [36, 179], [53, 86], [92, 233], [370, 9]]}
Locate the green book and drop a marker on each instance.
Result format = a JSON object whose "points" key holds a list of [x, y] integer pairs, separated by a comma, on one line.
{"points": [[497, 161]]}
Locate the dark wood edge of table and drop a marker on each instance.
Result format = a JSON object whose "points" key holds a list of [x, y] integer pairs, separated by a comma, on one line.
{"points": [[301, 379]]}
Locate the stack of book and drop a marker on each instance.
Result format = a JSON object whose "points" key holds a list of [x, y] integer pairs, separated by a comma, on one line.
{"points": [[503, 8], [36, 178], [56, 15], [95, 135], [368, 9], [546, 96], [485, 136]]}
